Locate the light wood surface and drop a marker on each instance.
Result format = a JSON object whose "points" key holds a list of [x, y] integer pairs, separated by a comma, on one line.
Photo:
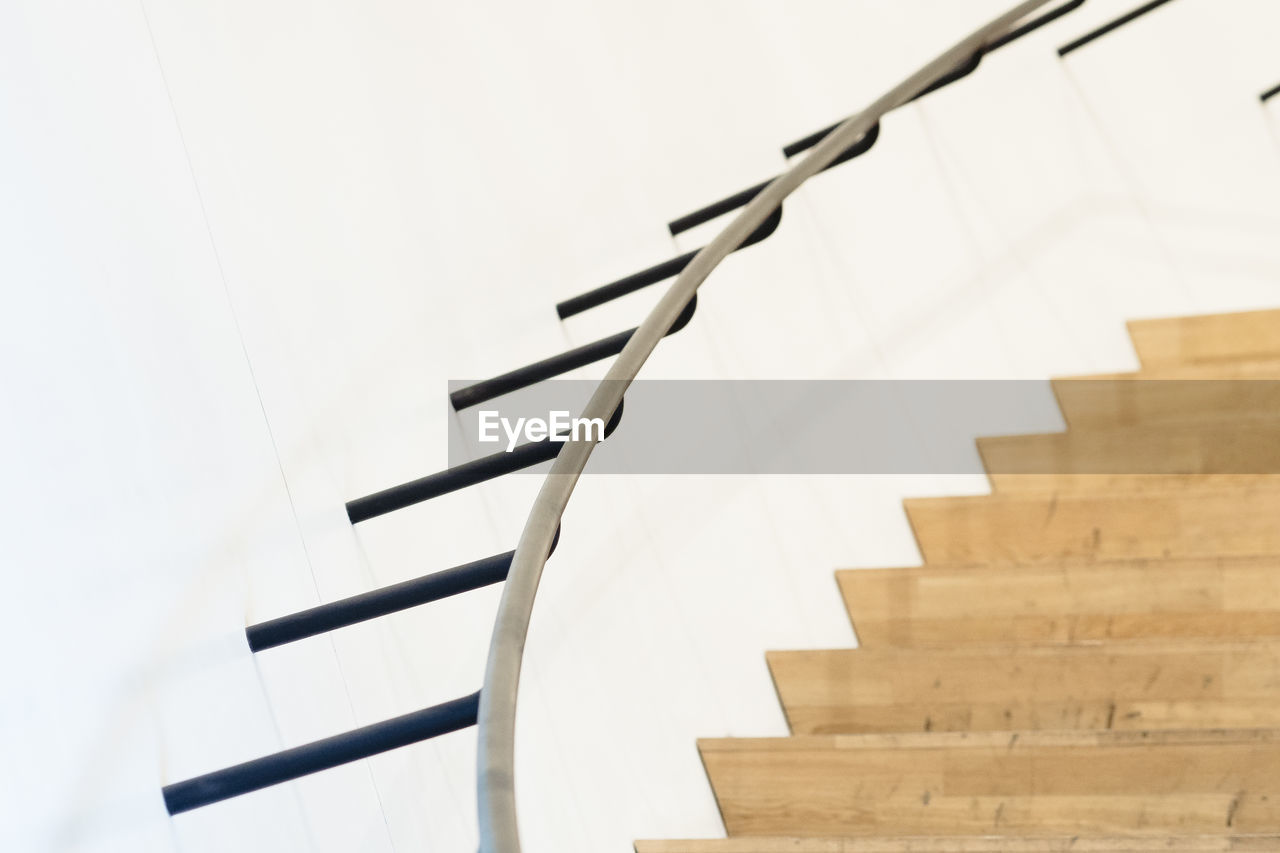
{"points": [[1183, 522], [1250, 335], [1043, 484], [970, 844], [1020, 783], [1228, 390], [1065, 601], [1226, 447], [1174, 685]]}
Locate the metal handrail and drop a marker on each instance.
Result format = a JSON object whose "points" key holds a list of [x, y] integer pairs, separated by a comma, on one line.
{"points": [[499, 832]]}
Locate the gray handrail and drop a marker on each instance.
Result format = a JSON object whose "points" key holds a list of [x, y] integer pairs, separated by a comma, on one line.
{"points": [[499, 831]]}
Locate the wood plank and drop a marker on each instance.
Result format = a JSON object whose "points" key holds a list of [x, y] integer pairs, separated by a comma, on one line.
{"points": [[1176, 394], [970, 844], [1248, 335], [1044, 484], [1020, 783], [1185, 522], [1175, 685], [1064, 601], [1218, 453], [1226, 448]]}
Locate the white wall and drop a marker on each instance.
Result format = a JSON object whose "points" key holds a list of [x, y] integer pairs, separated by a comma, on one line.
{"points": [[245, 244]]}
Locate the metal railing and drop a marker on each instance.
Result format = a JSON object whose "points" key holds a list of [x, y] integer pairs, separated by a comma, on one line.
{"points": [[499, 826]]}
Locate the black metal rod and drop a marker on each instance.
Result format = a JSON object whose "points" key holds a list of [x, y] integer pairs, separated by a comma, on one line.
{"points": [[460, 476], [449, 480], [963, 70], [739, 199], [629, 284], [1270, 93], [1110, 27], [556, 365], [658, 272], [807, 142], [547, 368], [718, 208], [321, 755], [382, 602]]}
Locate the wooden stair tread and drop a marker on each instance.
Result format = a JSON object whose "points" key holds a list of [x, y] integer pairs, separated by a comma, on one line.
{"points": [[1247, 335], [1006, 783], [1261, 368], [1005, 741], [1231, 447], [969, 844], [1193, 393], [1065, 601], [1045, 484], [1182, 522], [1219, 453], [1178, 684]]}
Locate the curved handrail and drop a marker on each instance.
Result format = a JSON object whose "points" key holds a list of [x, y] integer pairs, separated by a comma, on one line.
{"points": [[496, 717]]}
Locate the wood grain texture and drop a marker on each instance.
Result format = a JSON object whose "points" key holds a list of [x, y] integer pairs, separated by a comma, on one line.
{"points": [[1065, 601], [1015, 784], [971, 844], [1209, 338], [1181, 522], [1226, 447], [1045, 484], [1176, 685], [1170, 395]]}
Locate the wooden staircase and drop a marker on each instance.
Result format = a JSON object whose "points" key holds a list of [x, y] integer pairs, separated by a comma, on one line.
{"points": [[1089, 658]]}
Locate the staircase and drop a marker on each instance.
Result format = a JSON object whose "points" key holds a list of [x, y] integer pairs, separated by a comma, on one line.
{"points": [[1089, 658]]}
